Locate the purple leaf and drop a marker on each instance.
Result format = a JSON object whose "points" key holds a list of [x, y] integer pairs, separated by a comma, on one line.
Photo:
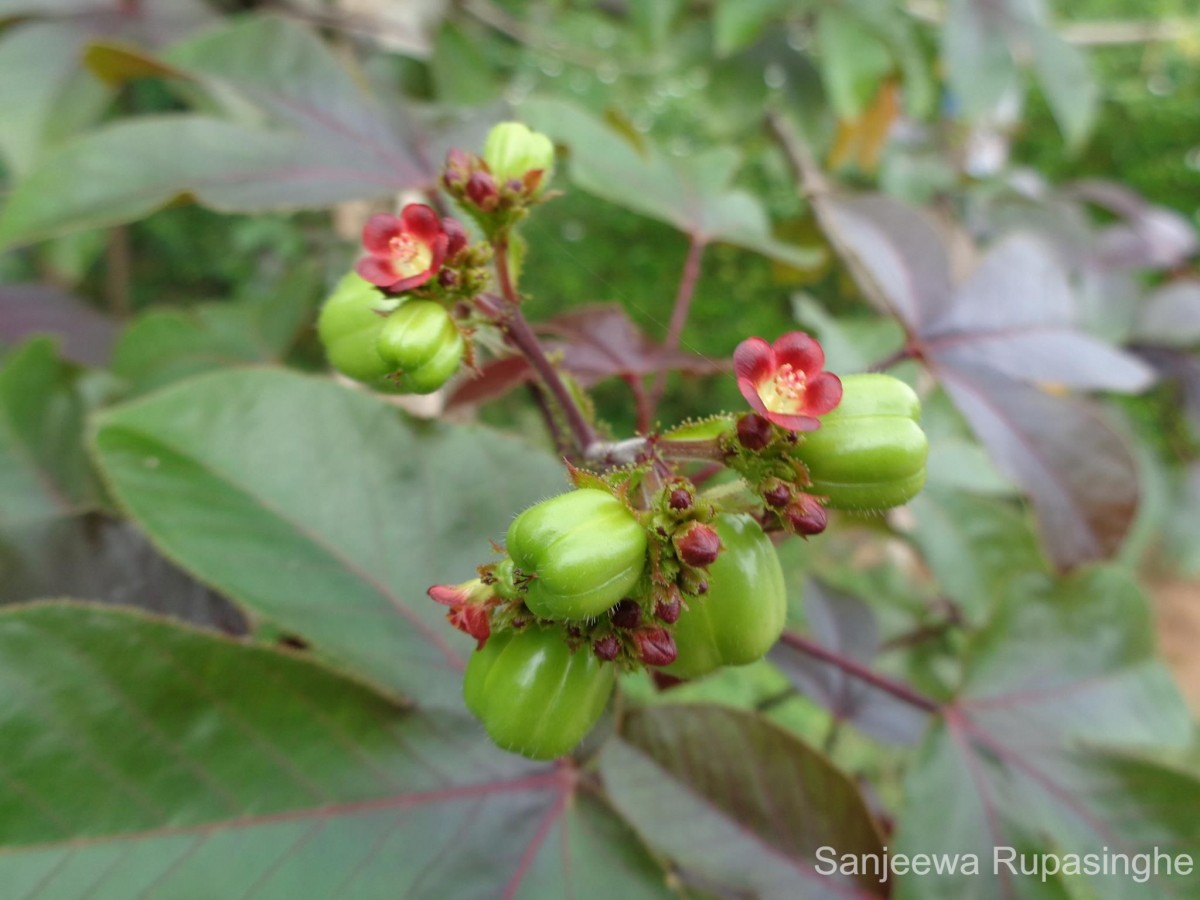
{"points": [[1014, 315], [143, 756], [896, 250], [1010, 321], [1078, 472], [84, 335], [1064, 666], [1171, 315], [495, 378], [600, 342], [845, 625], [741, 804], [1149, 237]]}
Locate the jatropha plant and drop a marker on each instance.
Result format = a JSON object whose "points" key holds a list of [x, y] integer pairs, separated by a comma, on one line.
{"points": [[643, 564]]}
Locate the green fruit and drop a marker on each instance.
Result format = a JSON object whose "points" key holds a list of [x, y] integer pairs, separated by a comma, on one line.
{"points": [[583, 550], [869, 452], [422, 345], [742, 614], [511, 150], [533, 694], [349, 327]]}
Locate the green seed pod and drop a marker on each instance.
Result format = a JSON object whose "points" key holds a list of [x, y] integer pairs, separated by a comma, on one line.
{"points": [[349, 327], [742, 615], [512, 151], [422, 344], [869, 452], [584, 551], [533, 694]]}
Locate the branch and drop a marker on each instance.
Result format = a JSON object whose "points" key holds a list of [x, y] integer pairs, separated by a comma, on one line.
{"points": [[857, 670], [507, 316], [679, 312]]}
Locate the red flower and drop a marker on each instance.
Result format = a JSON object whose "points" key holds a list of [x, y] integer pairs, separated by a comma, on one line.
{"points": [[468, 604], [784, 382], [405, 251]]}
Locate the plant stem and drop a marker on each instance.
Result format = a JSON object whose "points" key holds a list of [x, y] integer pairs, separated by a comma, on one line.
{"points": [[679, 312], [862, 673]]}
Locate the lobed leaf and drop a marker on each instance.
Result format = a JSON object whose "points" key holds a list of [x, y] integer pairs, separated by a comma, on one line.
{"points": [[1061, 669], [844, 625], [146, 759], [740, 803], [690, 193], [322, 512]]}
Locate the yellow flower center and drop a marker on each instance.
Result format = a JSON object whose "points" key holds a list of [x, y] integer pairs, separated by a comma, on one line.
{"points": [[410, 257], [785, 392]]}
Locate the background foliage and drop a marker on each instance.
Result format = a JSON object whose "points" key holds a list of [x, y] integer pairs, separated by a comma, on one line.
{"points": [[221, 676]]}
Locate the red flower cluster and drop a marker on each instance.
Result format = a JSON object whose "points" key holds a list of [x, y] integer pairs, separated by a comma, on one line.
{"points": [[406, 251], [784, 381]]}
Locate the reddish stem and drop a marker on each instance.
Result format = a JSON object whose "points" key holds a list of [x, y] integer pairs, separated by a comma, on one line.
{"points": [[679, 313], [862, 673]]}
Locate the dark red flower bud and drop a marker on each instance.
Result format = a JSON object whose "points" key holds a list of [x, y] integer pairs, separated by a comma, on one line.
{"points": [[447, 278], [626, 614], [680, 499], [753, 431], [607, 648], [456, 237], [668, 610], [481, 189], [458, 167], [805, 515], [655, 646], [697, 544], [777, 493]]}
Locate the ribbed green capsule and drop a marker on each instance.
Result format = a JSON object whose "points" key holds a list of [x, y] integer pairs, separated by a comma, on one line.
{"points": [[422, 345], [583, 552], [869, 453], [742, 614], [534, 695], [349, 326]]}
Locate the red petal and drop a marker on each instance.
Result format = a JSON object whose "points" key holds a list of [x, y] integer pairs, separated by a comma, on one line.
{"points": [[378, 231], [473, 620], [456, 234], [438, 246], [407, 284], [750, 391], [823, 393], [800, 351], [793, 422], [376, 270], [421, 222], [447, 594], [754, 360]]}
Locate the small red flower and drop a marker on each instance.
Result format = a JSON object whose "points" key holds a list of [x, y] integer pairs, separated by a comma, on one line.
{"points": [[405, 251], [468, 604], [784, 382]]}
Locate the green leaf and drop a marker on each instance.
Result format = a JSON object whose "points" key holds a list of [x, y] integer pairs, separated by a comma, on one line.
{"points": [[1062, 668], [44, 473], [146, 758], [690, 193], [653, 19], [460, 70], [737, 801], [980, 66], [738, 23], [322, 511], [163, 346], [44, 92], [974, 545], [1068, 83], [302, 133], [854, 61]]}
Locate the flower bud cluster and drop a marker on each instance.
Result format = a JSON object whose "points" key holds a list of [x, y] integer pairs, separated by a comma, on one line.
{"points": [[498, 187]]}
